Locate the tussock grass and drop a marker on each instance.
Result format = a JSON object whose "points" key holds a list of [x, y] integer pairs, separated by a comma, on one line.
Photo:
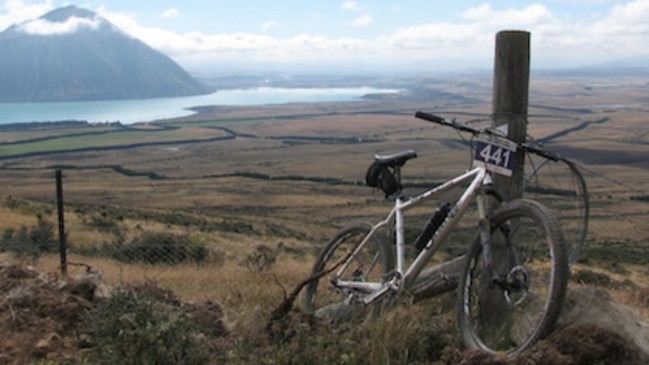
{"points": [[225, 185]]}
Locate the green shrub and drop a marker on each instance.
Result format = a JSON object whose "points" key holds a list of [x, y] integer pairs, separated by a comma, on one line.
{"points": [[261, 259], [155, 248], [104, 223], [137, 328], [589, 277], [161, 248], [31, 242]]}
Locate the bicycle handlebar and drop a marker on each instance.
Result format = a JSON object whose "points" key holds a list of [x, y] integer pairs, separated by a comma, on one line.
{"points": [[442, 121], [527, 146], [537, 150]]}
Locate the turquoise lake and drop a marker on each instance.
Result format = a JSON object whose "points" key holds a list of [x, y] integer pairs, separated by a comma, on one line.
{"points": [[145, 110]]}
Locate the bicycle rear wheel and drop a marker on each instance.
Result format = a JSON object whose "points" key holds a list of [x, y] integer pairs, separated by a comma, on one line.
{"points": [[369, 264], [509, 308]]}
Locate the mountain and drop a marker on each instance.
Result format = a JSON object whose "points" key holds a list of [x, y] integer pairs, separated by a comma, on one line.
{"points": [[72, 54]]}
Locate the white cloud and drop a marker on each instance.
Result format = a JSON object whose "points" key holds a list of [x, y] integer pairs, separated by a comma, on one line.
{"points": [[628, 18], [439, 40], [622, 31], [44, 27], [363, 20], [350, 5], [270, 25], [18, 11], [531, 15], [472, 38], [170, 13]]}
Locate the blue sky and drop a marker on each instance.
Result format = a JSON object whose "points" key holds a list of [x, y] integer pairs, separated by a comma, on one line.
{"points": [[362, 34]]}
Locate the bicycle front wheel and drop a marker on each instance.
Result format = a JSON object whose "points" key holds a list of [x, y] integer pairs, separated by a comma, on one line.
{"points": [[511, 305], [368, 264]]}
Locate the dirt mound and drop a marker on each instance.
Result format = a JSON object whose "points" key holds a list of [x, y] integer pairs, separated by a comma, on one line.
{"points": [[573, 345], [46, 317], [39, 317]]}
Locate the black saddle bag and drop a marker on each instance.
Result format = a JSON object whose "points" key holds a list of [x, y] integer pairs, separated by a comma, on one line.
{"points": [[379, 176]]}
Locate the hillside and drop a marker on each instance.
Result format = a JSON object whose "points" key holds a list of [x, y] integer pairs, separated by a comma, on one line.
{"points": [[231, 206], [73, 54]]}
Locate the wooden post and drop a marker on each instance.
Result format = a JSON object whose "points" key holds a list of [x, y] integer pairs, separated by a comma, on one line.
{"points": [[62, 237], [510, 100]]}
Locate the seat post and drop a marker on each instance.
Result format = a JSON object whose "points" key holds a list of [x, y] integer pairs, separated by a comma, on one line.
{"points": [[397, 174]]}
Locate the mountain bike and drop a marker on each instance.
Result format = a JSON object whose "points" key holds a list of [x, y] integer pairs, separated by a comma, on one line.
{"points": [[515, 271]]}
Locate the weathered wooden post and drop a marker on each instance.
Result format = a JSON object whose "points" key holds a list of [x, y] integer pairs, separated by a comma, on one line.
{"points": [[62, 237], [510, 100]]}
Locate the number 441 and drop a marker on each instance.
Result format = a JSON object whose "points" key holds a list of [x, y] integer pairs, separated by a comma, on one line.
{"points": [[496, 155]]}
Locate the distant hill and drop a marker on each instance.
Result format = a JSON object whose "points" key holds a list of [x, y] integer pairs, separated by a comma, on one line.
{"points": [[636, 66], [73, 54]]}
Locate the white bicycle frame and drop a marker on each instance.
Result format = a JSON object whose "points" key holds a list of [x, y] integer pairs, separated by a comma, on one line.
{"points": [[403, 277]]}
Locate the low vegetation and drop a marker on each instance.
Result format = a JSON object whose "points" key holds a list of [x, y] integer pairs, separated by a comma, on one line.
{"points": [[151, 248], [229, 225], [31, 241], [141, 326]]}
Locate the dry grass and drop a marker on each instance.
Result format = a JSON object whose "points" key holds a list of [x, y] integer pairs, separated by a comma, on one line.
{"points": [[202, 180]]}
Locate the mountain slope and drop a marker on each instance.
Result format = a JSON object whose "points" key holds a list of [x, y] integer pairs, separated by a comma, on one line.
{"points": [[73, 54]]}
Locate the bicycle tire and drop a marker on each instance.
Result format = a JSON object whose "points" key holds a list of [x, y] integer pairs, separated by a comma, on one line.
{"points": [[369, 264], [577, 248], [572, 207], [500, 320]]}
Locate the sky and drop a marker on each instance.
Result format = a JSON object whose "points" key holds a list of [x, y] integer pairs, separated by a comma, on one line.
{"points": [[365, 34]]}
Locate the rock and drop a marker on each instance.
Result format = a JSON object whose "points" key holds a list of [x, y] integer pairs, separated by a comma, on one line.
{"points": [[593, 306], [88, 285], [48, 344]]}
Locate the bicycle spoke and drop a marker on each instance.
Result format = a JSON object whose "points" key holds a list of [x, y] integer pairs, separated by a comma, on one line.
{"points": [[511, 307], [369, 264]]}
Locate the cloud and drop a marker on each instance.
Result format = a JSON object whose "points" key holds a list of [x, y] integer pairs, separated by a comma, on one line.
{"points": [[170, 13], [363, 20], [350, 5], [270, 25], [18, 11], [45, 27], [620, 31], [531, 15], [554, 42], [628, 18]]}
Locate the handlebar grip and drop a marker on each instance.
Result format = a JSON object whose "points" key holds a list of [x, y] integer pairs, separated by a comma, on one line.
{"points": [[442, 121], [541, 152]]}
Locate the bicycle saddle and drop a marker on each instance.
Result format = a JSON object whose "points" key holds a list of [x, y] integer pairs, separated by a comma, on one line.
{"points": [[395, 159]]}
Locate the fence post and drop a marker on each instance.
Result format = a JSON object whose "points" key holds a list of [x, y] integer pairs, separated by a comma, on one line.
{"points": [[510, 100], [62, 236]]}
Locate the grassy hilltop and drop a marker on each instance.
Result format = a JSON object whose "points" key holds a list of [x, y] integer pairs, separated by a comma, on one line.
{"points": [[262, 188]]}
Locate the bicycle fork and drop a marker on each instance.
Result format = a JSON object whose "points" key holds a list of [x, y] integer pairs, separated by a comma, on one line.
{"points": [[516, 277]]}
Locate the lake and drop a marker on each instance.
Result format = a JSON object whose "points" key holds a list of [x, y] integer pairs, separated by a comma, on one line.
{"points": [[144, 110]]}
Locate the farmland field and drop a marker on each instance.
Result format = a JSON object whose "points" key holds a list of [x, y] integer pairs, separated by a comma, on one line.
{"points": [[294, 172], [276, 181], [246, 161]]}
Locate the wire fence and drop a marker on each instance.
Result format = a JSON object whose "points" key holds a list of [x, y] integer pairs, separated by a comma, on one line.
{"points": [[559, 185]]}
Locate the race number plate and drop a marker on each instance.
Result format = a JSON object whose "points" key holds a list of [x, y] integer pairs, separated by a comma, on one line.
{"points": [[495, 153]]}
